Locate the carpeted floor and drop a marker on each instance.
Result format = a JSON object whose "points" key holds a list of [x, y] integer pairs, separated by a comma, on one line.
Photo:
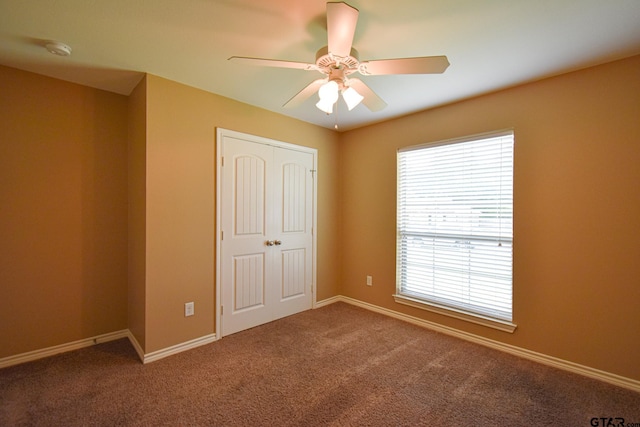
{"points": [[338, 365]]}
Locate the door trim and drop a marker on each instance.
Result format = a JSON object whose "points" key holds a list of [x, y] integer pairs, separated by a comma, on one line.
{"points": [[221, 133]]}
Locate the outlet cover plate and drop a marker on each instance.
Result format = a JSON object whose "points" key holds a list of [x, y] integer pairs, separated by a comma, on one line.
{"points": [[188, 309]]}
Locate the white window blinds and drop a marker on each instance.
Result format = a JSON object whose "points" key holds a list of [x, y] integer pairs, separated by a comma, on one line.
{"points": [[455, 224]]}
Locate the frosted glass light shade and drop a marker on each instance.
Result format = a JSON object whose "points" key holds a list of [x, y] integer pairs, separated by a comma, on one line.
{"points": [[328, 94], [325, 106], [351, 97]]}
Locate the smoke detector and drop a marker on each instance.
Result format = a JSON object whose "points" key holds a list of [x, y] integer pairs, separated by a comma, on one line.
{"points": [[58, 48]]}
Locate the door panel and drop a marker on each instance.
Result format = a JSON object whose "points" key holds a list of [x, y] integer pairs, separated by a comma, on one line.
{"points": [[293, 197], [293, 273], [243, 264], [249, 191], [248, 282], [294, 213]]}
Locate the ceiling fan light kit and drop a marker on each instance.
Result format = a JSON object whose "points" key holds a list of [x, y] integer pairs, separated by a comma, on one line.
{"points": [[329, 94], [339, 59]]}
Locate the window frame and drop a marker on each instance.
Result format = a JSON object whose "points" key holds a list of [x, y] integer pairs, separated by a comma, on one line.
{"points": [[433, 305]]}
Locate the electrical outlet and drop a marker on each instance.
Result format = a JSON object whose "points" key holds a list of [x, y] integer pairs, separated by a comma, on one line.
{"points": [[369, 280], [188, 309]]}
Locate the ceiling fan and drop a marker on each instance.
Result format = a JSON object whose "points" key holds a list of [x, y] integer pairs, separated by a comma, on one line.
{"points": [[339, 60]]}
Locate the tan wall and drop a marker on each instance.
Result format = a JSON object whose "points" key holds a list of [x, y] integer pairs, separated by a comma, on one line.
{"points": [[63, 212], [180, 203], [137, 197], [576, 207]]}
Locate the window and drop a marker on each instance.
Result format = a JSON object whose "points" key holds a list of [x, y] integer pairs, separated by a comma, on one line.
{"points": [[455, 228]]}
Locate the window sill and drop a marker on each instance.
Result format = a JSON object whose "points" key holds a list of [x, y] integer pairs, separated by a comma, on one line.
{"points": [[501, 325]]}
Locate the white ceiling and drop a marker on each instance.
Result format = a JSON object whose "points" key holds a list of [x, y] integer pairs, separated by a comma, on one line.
{"points": [[491, 44]]}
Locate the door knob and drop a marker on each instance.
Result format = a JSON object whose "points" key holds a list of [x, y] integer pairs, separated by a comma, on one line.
{"points": [[277, 242], [269, 242]]}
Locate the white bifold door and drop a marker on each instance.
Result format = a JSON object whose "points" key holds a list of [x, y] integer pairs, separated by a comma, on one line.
{"points": [[265, 214]]}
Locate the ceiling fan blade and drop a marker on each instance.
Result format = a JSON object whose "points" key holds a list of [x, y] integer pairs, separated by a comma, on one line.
{"points": [[273, 63], [371, 100], [305, 93], [341, 27], [419, 65]]}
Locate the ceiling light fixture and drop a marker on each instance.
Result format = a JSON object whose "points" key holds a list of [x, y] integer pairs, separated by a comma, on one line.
{"points": [[329, 94], [351, 97], [58, 48]]}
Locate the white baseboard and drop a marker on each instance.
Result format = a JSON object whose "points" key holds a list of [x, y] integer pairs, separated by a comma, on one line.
{"points": [[555, 362], [174, 349], [544, 359], [62, 348], [327, 301], [136, 345], [98, 339]]}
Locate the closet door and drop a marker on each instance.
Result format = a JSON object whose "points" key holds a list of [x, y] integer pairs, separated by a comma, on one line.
{"points": [[266, 247], [292, 256]]}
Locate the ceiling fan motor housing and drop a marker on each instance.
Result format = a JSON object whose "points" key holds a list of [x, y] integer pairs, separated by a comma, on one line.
{"points": [[325, 60]]}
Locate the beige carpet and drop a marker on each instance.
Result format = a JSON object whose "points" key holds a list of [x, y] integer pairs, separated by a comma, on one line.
{"points": [[338, 365]]}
